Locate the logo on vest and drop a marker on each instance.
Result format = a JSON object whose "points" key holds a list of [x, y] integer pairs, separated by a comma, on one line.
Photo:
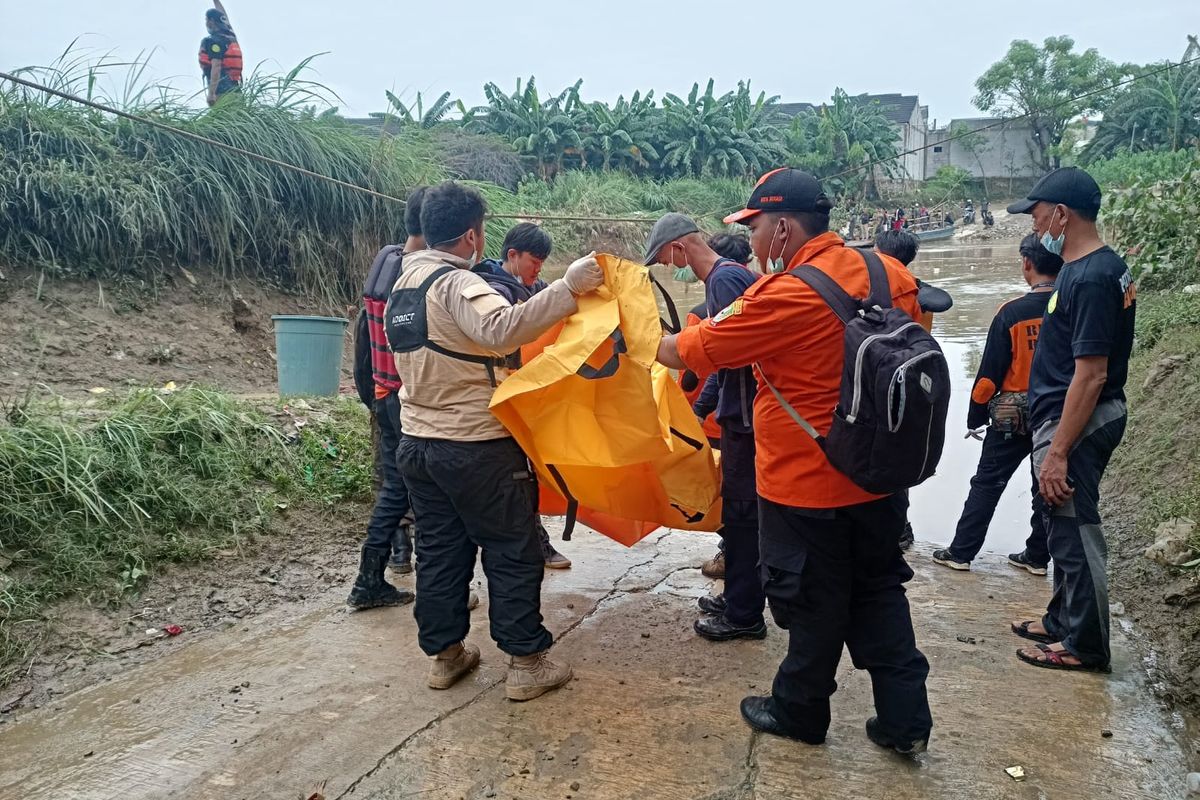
{"points": [[404, 319]]}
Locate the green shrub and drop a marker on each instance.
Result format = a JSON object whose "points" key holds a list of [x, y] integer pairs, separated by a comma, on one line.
{"points": [[1129, 169], [1156, 224], [96, 498]]}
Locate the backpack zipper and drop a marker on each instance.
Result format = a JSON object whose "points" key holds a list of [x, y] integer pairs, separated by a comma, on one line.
{"points": [[858, 362], [900, 379], [928, 436]]}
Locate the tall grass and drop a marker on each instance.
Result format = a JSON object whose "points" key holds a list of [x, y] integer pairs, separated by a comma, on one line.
{"points": [[611, 194], [83, 192], [95, 499]]}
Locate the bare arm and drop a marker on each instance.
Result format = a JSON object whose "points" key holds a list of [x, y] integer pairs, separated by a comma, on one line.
{"points": [[214, 77], [668, 353], [1091, 373]]}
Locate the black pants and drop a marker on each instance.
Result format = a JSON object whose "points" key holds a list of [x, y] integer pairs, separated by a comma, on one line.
{"points": [[470, 496], [391, 498], [836, 577], [1078, 612], [1000, 459], [744, 596]]}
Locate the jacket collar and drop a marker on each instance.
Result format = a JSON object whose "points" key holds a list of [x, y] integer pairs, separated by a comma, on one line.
{"points": [[430, 256], [815, 246]]}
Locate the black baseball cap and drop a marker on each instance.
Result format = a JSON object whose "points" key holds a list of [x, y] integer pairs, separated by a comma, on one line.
{"points": [[1068, 186], [784, 190]]}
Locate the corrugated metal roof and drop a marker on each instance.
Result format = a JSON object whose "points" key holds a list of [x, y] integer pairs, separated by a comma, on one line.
{"points": [[898, 108]]}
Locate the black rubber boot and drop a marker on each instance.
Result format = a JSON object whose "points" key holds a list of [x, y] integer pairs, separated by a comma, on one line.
{"points": [[402, 548], [370, 589]]}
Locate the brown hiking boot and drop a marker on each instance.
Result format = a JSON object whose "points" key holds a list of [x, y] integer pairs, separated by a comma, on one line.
{"points": [[714, 567], [451, 664], [533, 676]]}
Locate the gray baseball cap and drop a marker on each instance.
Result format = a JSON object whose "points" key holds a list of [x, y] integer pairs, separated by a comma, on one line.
{"points": [[669, 228]]}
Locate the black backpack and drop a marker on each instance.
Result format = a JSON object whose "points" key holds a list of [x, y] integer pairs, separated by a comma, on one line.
{"points": [[890, 421], [406, 323], [368, 366]]}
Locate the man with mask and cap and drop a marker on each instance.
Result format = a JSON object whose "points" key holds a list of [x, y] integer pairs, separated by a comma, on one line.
{"points": [[833, 573], [470, 485], [737, 613], [1077, 414], [220, 55]]}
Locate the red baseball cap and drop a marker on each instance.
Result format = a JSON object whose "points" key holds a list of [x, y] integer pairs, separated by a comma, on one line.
{"points": [[784, 189]]}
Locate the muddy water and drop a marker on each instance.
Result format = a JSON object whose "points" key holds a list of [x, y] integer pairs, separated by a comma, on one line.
{"points": [[980, 277]]}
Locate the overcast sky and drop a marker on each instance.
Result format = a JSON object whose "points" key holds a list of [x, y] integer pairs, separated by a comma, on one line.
{"points": [[801, 51]]}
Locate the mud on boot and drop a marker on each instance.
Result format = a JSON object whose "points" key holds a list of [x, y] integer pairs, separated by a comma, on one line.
{"points": [[370, 589], [452, 664], [533, 676]]}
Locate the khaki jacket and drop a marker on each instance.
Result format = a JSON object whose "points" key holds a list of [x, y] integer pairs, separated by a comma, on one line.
{"points": [[443, 397]]}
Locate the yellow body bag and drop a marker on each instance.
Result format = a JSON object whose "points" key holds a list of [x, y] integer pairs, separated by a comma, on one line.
{"points": [[604, 424]]}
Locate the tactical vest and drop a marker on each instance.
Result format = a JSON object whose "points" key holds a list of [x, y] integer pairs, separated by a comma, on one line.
{"points": [[406, 323]]}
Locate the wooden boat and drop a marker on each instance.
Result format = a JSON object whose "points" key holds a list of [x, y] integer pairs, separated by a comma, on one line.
{"points": [[936, 233]]}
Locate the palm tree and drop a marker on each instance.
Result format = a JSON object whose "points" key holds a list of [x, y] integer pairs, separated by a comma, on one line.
{"points": [[621, 136], [422, 118], [1159, 112], [542, 131]]}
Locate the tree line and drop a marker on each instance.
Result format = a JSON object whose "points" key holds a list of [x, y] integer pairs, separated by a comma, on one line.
{"points": [[740, 134]]}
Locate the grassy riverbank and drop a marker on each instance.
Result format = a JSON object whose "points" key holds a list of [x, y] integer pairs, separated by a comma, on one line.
{"points": [[1154, 477], [98, 498]]}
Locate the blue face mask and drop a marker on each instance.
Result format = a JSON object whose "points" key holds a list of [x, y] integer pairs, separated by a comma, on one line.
{"points": [[1055, 243]]}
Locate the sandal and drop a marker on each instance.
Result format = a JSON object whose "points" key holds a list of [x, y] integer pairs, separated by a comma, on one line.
{"points": [[1054, 660], [1023, 631]]}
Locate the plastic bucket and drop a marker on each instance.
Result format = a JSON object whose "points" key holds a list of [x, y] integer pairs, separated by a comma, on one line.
{"points": [[309, 354]]}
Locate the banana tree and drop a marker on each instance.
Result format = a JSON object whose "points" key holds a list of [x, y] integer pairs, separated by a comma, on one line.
{"points": [[700, 135], [621, 136], [417, 114], [540, 130]]}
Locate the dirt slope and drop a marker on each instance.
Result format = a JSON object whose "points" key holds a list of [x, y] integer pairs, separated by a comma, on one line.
{"points": [[193, 328]]}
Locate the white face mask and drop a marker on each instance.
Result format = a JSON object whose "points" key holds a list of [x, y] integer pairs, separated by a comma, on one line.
{"points": [[1055, 243], [776, 265], [684, 273]]}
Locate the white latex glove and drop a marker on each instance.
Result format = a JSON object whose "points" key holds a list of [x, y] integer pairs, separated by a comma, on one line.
{"points": [[584, 275]]}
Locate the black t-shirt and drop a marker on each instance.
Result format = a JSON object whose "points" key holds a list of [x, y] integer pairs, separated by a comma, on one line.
{"points": [[1091, 313]]}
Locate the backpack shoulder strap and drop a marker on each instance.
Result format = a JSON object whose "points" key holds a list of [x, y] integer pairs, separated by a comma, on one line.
{"points": [[880, 293], [427, 284], [845, 306], [788, 407], [490, 363]]}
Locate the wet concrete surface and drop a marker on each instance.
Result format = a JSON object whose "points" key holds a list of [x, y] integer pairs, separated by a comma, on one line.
{"points": [[291, 702]]}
